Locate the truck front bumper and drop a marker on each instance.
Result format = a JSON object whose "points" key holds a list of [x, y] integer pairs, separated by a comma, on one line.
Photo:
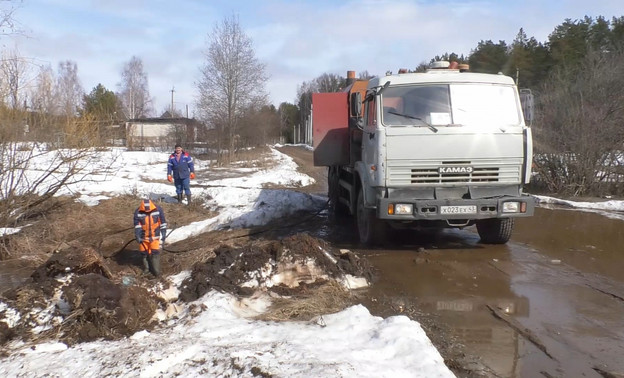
{"points": [[403, 209]]}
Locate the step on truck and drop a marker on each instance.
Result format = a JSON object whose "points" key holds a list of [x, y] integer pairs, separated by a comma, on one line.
{"points": [[445, 148]]}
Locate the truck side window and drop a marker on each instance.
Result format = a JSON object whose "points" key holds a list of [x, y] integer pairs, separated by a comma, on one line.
{"points": [[371, 116]]}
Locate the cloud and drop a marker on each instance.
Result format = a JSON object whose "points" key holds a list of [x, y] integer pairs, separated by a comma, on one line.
{"points": [[297, 40]]}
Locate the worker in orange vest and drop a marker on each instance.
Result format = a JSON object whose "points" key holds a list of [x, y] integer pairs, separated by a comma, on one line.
{"points": [[150, 228]]}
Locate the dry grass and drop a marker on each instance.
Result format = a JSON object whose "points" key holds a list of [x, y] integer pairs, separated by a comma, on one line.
{"points": [[326, 299], [258, 157], [105, 227]]}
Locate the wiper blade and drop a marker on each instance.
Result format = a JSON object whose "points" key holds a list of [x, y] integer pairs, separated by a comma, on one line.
{"points": [[416, 118]]}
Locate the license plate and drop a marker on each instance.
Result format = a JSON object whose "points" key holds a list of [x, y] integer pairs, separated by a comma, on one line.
{"points": [[470, 209]]}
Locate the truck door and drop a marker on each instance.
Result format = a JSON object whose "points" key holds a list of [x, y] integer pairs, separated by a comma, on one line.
{"points": [[369, 140]]}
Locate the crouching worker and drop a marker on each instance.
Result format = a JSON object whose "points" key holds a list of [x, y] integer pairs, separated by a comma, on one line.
{"points": [[150, 228]]}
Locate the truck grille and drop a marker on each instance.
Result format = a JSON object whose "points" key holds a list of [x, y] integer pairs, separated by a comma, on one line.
{"points": [[414, 173], [428, 175]]}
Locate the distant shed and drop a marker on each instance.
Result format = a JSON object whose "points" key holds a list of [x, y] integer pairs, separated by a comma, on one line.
{"points": [[163, 132]]}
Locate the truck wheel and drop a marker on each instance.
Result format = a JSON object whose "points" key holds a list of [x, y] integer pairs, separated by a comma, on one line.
{"points": [[495, 230], [372, 231]]}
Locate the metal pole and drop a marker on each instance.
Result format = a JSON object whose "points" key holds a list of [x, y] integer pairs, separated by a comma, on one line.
{"points": [[172, 90]]}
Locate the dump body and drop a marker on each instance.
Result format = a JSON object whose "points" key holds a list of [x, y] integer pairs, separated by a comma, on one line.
{"points": [[438, 149], [333, 129]]}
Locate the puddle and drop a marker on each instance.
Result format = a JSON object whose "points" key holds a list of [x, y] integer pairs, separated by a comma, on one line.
{"points": [[558, 282]]}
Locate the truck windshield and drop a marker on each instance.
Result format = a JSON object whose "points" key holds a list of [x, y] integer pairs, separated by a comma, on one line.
{"points": [[454, 104], [484, 105]]}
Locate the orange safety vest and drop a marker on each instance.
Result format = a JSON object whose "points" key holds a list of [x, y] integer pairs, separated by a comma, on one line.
{"points": [[150, 226]]}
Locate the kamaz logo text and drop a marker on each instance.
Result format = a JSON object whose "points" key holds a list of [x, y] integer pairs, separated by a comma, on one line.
{"points": [[455, 170]]}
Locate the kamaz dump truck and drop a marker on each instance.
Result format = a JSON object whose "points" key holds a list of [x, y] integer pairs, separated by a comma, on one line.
{"points": [[437, 149]]}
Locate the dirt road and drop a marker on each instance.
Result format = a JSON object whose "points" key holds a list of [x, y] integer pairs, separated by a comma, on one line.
{"points": [[549, 303]]}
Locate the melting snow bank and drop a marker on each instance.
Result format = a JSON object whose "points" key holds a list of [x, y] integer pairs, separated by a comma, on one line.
{"points": [[219, 342], [607, 208]]}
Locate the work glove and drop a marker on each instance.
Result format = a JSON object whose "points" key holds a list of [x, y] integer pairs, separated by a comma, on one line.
{"points": [[192, 175], [169, 178]]}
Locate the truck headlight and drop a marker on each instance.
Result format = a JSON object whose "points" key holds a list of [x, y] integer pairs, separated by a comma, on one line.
{"points": [[511, 207], [403, 208]]}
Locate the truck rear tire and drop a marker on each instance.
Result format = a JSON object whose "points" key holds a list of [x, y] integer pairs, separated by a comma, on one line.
{"points": [[495, 230], [371, 230]]}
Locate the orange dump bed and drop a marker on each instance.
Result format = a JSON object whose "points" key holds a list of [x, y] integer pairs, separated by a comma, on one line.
{"points": [[330, 128]]}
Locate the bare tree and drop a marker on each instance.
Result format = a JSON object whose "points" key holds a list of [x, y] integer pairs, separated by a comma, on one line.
{"points": [[365, 75], [42, 99], [328, 82], [578, 130], [68, 90], [134, 90], [231, 82], [14, 75], [31, 174]]}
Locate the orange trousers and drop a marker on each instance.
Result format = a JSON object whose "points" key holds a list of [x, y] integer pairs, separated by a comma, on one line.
{"points": [[148, 247]]}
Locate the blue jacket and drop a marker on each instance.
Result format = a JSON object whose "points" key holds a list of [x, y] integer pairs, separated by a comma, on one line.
{"points": [[180, 169]]}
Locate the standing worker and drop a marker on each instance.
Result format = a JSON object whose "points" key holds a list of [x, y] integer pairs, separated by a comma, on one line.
{"points": [[180, 171], [150, 227]]}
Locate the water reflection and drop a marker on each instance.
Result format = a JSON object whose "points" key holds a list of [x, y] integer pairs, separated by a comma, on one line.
{"points": [[452, 278], [587, 241]]}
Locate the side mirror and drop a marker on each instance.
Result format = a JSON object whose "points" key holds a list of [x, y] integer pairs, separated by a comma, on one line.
{"points": [[356, 104], [526, 100]]}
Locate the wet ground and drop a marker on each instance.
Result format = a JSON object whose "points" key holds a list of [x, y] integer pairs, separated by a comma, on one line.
{"points": [[549, 303]]}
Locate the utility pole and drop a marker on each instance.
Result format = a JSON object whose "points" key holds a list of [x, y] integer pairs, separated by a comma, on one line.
{"points": [[172, 90]]}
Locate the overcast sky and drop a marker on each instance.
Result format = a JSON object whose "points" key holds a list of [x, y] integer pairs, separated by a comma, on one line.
{"points": [[297, 40]]}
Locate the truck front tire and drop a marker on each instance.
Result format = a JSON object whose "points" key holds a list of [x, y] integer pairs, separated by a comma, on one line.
{"points": [[372, 231], [495, 230]]}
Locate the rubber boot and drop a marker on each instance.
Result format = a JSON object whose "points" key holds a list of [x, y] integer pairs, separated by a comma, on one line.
{"points": [[156, 264], [188, 199], [179, 197], [145, 264]]}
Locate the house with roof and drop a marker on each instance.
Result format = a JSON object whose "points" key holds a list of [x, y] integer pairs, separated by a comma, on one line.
{"points": [[161, 132]]}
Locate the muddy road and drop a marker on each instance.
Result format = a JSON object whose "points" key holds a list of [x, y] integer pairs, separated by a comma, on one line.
{"points": [[549, 303]]}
